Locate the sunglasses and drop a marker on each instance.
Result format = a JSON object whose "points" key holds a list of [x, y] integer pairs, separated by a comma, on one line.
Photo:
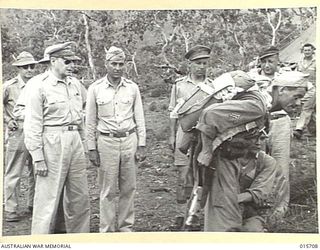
{"points": [[67, 62], [30, 66]]}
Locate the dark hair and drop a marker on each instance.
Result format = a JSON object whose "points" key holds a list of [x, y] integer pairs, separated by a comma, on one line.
{"points": [[308, 45]]}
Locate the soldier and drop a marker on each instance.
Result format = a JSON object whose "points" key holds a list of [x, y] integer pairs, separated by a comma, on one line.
{"points": [[198, 58], [55, 138], [307, 65], [220, 124], [116, 139], [16, 153], [280, 131]]}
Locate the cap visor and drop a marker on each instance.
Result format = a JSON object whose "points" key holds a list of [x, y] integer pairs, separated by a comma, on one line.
{"points": [[43, 60], [24, 63], [199, 57], [72, 58], [269, 54]]}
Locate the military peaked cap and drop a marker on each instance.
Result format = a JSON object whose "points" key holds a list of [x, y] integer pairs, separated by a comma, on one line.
{"points": [[62, 50], [198, 52], [269, 52]]}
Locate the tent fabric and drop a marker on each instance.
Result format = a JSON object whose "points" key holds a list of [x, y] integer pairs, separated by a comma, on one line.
{"points": [[292, 52]]}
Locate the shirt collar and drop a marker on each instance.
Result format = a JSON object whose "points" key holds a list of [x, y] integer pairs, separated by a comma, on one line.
{"points": [[107, 82], [55, 80], [190, 80], [312, 60]]}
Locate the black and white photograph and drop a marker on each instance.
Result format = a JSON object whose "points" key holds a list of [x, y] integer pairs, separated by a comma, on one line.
{"points": [[171, 120]]}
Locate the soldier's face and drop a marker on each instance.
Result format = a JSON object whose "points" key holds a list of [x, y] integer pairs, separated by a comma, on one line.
{"points": [[199, 67], [27, 71], [290, 98], [62, 67], [269, 64], [307, 51], [115, 68]]}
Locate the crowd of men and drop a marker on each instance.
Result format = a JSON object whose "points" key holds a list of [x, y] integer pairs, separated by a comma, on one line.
{"points": [[54, 126]]}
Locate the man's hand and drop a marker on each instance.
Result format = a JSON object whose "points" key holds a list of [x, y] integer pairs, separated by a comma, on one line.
{"points": [[244, 197], [172, 142], [41, 168], [141, 153], [12, 125], [94, 157]]}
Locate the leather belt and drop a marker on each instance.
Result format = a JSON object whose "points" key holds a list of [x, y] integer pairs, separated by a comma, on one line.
{"points": [[63, 128], [119, 134]]}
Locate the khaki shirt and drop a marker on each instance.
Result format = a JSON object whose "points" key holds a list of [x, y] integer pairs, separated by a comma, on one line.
{"points": [[11, 92], [308, 67], [182, 89], [114, 109], [51, 102], [19, 108]]}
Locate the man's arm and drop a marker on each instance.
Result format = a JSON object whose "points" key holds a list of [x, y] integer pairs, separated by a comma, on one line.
{"points": [[173, 128], [33, 124], [91, 119], [6, 117], [139, 118], [19, 108], [83, 95], [263, 182], [173, 120], [91, 126], [140, 123]]}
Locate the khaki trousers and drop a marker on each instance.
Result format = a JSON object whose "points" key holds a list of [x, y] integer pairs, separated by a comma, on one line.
{"points": [[307, 109], [279, 140], [15, 160], [66, 162], [117, 170]]}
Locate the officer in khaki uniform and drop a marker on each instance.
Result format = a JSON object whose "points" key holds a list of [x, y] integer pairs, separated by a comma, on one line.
{"points": [[116, 139], [307, 65], [54, 136], [16, 153], [198, 63], [279, 132]]}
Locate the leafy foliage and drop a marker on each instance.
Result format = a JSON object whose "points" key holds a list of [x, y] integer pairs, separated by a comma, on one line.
{"points": [[155, 41]]}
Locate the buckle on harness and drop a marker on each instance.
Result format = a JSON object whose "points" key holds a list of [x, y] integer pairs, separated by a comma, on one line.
{"points": [[250, 126]]}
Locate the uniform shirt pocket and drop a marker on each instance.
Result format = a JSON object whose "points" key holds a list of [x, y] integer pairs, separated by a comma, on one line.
{"points": [[57, 105], [105, 107], [125, 104]]}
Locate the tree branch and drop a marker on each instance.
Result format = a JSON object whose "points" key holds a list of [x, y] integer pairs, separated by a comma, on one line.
{"points": [[90, 60], [168, 66], [274, 28], [166, 43]]}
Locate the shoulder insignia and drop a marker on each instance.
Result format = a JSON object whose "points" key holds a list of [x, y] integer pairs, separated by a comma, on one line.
{"points": [[10, 82], [179, 80], [128, 81], [99, 81]]}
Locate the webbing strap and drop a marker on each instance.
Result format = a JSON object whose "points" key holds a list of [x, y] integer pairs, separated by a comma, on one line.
{"points": [[232, 132]]}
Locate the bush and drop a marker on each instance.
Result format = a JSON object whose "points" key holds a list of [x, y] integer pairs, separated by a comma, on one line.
{"points": [[153, 106]]}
